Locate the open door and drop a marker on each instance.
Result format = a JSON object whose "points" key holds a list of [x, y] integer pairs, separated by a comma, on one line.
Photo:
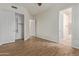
{"points": [[65, 35], [19, 26], [65, 22]]}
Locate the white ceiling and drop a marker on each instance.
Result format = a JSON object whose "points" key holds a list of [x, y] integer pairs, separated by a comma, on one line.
{"points": [[34, 9]]}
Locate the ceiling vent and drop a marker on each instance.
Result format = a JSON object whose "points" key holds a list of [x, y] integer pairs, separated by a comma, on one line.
{"points": [[14, 7]]}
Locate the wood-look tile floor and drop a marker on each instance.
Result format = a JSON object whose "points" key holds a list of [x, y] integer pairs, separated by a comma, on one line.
{"points": [[36, 47]]}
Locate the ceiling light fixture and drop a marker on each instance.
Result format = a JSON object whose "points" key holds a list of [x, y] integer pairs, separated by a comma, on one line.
{"points": [[39, 4]]}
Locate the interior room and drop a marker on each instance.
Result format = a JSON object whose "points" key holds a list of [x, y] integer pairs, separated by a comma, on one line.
{"points": [[39, 29]]}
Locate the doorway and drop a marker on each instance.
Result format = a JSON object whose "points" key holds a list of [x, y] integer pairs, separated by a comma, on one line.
{"points": [[65, 23], [19, 19]]}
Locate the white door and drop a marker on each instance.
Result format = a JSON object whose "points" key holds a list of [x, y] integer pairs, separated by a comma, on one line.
{"points": [[7, 26], [60, 27], [65, 27], [32, 27], [19, 26]]}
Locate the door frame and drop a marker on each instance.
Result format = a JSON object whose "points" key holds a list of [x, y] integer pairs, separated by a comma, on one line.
{"points": [[16, 26], [61, 33]]}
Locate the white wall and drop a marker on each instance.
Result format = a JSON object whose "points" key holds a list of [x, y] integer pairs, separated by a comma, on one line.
{"points": [[48, 23], [75, 26], [44, 28], [22, 10]]}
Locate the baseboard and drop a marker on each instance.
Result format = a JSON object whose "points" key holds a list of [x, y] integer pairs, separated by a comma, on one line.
{"points": [[7, 42], [27, 37], [47, 38], [75, 47]]}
